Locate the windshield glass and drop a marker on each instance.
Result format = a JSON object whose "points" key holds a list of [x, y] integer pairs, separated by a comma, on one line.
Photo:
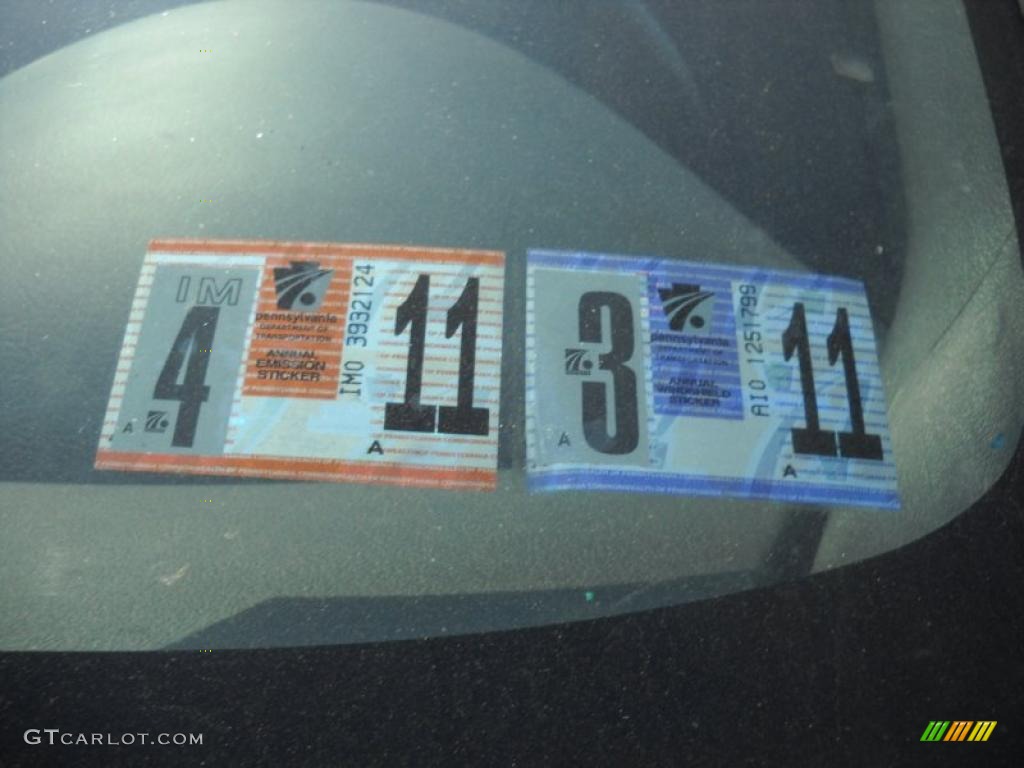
{"points": [[519, 145]]}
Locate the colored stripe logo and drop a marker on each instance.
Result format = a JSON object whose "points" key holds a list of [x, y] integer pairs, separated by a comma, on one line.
{"points": [[958, 730]]}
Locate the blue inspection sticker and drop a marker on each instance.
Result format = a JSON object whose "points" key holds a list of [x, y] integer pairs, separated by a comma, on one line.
{"points": [[665, 376]]}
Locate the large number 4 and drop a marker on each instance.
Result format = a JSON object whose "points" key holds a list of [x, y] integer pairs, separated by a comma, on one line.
{"points": [[412, 416], [195, 338], [856, 444]]}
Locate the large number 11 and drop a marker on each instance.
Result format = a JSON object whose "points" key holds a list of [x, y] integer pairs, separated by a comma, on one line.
{"points": [[857, 444], [410, 415]]}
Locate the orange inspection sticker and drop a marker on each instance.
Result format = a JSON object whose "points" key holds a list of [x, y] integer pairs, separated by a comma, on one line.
{"points": [[311, 361]]}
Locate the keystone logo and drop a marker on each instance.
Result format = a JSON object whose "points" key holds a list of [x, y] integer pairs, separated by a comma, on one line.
{"points": [[684, 306], [576, 362], [301, 282], [156, 421]]}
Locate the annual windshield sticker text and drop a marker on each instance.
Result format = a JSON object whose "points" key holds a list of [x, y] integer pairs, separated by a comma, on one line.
{"points": [[665, 376], [311, 361]]}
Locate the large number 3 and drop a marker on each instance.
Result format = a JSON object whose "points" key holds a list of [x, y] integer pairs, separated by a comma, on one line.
{"points": [[595, 408]]}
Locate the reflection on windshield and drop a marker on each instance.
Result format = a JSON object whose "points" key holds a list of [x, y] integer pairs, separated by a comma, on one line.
{"points": [[723, 134]]}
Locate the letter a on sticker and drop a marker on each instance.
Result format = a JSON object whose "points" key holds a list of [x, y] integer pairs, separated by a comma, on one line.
{"points": [[789, 471], [375, 447], [127, 428], [564, 440]]}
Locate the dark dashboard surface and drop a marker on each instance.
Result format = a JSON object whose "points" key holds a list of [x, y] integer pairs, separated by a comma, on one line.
{"points": [[804, 673]]}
